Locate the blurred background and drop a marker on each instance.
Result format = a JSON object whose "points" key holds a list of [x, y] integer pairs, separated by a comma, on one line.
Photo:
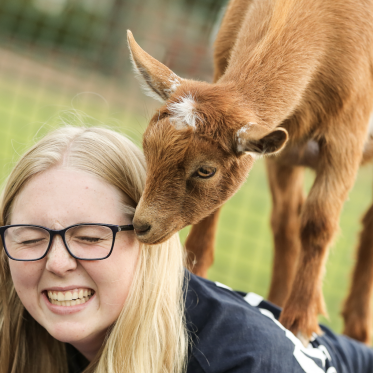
{"points": [[62, 57]]}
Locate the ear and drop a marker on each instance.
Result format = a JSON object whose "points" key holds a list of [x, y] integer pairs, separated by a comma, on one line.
{"points": [[158, 81], [269, 144]]}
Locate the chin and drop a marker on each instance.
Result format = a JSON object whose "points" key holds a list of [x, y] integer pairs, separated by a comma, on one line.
{"points": [[70, 332]]}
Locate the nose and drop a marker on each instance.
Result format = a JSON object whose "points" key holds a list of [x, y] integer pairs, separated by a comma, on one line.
{"points": [[59, 261], [141, 228]]}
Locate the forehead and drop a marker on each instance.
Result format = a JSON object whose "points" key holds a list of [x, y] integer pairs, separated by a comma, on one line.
{"points": [[166, 144], [66, 196]]}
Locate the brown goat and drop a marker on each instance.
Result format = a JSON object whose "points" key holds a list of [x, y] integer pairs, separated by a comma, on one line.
{"points": [[303, 65]]}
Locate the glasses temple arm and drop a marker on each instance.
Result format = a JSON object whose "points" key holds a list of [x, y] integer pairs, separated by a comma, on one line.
{"points": [[128, 227]]}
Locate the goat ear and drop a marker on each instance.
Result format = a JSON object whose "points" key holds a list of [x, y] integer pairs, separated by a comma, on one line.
{"points": [[269, 144], [158, 81]]}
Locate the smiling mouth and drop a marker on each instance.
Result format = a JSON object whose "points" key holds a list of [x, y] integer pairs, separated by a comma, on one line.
{"points": [[70, 298]]}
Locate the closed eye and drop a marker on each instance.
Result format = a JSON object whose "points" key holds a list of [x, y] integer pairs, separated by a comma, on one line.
{"points": [[31, 242], [89, 239]]}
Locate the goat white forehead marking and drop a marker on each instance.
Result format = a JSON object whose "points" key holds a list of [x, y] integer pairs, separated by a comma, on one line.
{"points": [[184, 111]]}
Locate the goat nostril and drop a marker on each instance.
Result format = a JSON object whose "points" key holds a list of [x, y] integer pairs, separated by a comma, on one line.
{"points": [[142, 229]]}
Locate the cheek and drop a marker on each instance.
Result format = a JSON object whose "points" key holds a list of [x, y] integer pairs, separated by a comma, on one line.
{"points": [[26, 277], [113, 276]]}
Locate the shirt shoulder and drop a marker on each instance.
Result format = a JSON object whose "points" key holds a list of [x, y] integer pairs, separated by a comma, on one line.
{"points": [[235, 332]]}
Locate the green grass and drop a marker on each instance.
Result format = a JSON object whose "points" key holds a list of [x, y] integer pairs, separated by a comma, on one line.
{"points": [[29, 111], [244, 242]]}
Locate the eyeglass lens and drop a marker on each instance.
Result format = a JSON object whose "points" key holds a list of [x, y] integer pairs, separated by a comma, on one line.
{"points": [[83, 241]]}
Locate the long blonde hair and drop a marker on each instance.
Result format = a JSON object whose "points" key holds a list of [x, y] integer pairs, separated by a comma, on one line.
{"points": [[149, 335]]}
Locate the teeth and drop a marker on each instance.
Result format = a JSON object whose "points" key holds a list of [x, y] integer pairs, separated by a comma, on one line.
{"points": [[68, 295], [70, 298]]}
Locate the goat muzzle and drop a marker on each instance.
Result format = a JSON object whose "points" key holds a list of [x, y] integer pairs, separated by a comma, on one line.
{"points": [[141, 229]]}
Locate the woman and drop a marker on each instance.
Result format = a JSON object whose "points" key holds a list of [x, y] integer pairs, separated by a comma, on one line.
{"points": [[77, 175], [80, 293]]}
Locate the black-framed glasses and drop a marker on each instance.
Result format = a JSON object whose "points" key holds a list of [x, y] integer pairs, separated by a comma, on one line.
{"points": [[26, 243]]}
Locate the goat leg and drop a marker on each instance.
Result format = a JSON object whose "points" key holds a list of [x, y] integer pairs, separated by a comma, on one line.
{"points": [[357, 310], [286, 184], [335, 175]]}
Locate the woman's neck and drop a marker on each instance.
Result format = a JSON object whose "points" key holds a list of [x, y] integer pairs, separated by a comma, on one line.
{"points": [[91, 346]]}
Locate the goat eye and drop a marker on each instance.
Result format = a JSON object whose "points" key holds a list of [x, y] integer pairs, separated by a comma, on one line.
{"points": [[205, 172]]}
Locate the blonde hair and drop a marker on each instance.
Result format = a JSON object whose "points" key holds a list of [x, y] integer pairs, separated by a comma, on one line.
{"points": [[150, 334]]}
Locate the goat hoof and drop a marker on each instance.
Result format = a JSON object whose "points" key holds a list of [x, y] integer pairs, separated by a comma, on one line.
{"points": [[302, 324], [357, 328], [201, 272], [305, 341]]}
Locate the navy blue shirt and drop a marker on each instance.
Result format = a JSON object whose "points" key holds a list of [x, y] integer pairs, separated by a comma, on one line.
{"points": [[233, 332]]}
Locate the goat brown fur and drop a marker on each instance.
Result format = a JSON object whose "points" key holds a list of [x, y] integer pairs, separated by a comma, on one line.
{"points": [[294, 69]]}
